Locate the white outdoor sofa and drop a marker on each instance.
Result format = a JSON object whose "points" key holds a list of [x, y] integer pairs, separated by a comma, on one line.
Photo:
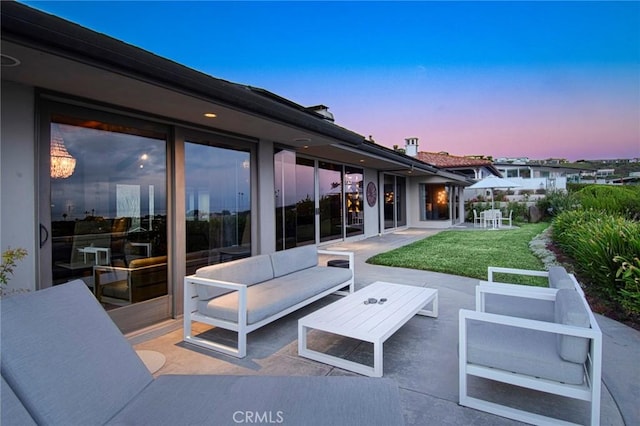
{"points": [[246, 294], [539, 338], [64, 362]]}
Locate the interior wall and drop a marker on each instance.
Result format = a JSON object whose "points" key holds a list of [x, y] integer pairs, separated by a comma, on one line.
{"points": [[18, 180]]}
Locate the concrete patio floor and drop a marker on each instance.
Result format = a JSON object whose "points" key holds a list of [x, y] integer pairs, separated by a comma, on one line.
{"points": [[421, 357]]}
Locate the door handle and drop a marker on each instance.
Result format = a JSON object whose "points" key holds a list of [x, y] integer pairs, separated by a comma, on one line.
{"points": [[46, 235]]}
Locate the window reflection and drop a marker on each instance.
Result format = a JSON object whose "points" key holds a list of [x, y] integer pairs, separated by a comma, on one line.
{"points": [[108, 217], [330, 187], [218, 204], [354, 201], [295, 200]]}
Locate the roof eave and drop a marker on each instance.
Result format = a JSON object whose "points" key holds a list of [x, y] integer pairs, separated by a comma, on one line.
{"points": [[25, 25]]}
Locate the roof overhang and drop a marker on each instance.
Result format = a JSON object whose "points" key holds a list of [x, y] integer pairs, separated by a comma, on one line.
{"points": [[63, 57], [67, 60]]}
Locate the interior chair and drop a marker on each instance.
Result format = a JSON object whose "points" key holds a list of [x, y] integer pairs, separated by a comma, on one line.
{"points": [[64, 362]]}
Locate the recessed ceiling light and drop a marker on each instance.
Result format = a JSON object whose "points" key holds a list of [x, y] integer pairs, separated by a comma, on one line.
{"points": [[8, 61], [210, 115], [362, 161]]}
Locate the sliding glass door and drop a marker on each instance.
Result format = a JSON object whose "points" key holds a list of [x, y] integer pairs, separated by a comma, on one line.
{"points": [[295, 200], [395, 189], [107, 212], [218, 204]]}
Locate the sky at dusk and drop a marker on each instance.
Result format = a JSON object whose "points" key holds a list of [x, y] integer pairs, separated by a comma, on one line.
{"points": [[539, 79]]}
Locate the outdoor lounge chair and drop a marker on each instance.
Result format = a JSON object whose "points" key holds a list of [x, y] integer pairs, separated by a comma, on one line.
{"points": [[545, 339], [64, 362]]}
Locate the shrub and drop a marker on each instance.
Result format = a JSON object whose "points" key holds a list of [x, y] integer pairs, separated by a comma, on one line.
{"points": [[621, 200], [10, 258], [629, 277], [520, 211], [594, 240], [556, 202]]}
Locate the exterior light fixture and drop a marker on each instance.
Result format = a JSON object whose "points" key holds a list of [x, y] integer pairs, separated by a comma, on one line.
{"points": [[210, 115], [62, 163], [8, 61]]}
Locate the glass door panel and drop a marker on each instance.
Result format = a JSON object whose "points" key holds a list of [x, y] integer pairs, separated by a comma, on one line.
{"points": [[295, 200], [218, 205], [389, 202], [109, 210], [330, 199], [354, 201], [401, 191]]}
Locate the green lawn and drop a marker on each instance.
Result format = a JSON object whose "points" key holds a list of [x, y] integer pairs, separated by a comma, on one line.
{"points": [[469, 253]]}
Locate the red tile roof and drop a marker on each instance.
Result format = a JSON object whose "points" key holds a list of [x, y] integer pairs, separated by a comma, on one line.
{"points": [[451, 161]]}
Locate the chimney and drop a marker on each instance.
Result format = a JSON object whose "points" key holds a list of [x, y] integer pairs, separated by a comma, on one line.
{"points": [[411, 147], [323, 110]]}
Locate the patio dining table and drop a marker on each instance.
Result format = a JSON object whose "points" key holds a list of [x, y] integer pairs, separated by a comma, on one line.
{"points": [[491, 216]]}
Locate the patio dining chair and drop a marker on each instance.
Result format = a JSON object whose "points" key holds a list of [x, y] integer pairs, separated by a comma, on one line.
{"points": [[477, 219], [509, 218]]}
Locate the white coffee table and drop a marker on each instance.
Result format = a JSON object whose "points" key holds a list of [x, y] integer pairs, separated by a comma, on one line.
{"points": [[373, 323]]}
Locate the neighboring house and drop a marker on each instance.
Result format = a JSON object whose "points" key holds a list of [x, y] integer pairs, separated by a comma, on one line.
{"points": [[130, 171], [540, 177], [472, 168]]}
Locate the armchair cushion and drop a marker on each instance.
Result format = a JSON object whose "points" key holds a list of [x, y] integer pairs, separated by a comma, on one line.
{"points": [[559, 278], [569, 310], [520, 350], [512, 306]]}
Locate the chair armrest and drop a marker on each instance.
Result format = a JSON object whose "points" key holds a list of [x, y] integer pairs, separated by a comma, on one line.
{"points": [[512, 290], [348, 254], [547, 327], [513, 271], [191, 281]]}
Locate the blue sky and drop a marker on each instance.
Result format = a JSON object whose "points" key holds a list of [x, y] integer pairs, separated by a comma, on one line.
{"points": [[537, 79]]}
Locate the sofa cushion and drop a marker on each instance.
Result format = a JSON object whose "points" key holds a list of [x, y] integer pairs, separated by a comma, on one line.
{"points": [[248, 271], [274, 296], [295, 259], [519, 350], [570, 310], [559, 278], [65, 359]]}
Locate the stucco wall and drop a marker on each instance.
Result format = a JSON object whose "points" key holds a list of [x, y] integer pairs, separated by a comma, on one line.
{"points": [[17, 183]]}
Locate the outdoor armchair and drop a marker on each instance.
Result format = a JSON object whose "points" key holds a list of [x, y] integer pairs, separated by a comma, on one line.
{"points": [[545, 339]]}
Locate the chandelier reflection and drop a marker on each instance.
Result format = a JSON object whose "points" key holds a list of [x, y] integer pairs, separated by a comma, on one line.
{"points": [[62, 163]]}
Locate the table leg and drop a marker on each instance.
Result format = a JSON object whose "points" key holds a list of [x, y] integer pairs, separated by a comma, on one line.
{"points": [[434, 308]]}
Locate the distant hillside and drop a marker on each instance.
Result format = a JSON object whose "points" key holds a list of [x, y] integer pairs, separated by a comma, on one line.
{"points": [[621, 168]]}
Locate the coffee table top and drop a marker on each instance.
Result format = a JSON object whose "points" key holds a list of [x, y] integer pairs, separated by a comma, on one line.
{"points": [[351, 317]]}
